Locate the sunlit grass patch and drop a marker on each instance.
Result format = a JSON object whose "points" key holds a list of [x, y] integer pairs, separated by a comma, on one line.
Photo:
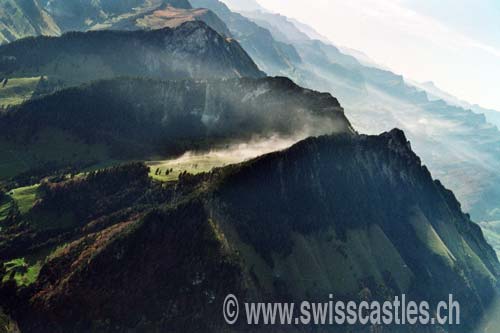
{"points": [[21, 272], [25, 197], [169, 170], [199, 162], [17, 90]]}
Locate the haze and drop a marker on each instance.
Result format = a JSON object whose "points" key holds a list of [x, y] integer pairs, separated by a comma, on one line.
{"points": [[455, 43]]}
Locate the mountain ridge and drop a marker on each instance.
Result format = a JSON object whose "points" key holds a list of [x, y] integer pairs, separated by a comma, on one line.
{"points": [[273, 57], [376, 99], [419, 241], [136, 118], [167, 16], [88, 247], [190, 50]]}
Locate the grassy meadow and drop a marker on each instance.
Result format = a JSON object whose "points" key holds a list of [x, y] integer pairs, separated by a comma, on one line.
{"points": [[17, 90]]}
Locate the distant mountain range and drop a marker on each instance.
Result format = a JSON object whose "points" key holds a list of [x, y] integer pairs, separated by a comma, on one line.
{"points": [[435, 93], [244, 5], [93, 240], [457, 141], [272, 56]]}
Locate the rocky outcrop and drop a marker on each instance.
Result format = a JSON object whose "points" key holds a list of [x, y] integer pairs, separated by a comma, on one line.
{"points": [[23, 18]]}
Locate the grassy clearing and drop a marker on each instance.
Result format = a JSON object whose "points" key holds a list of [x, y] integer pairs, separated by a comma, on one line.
{"points": [[169, 170], [25, 197], [22, 272], [25, 271], [194, 163], [17, 90]]}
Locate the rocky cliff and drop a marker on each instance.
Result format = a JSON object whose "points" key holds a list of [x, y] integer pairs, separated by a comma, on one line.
{"points": [[23, 18]]}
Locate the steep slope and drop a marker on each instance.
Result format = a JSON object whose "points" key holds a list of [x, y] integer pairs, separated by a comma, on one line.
{"points": [[273, 57], [349, 197], [177, 271], [22, 18], [459, 146], [130, 119], [192, 50], [357, 216], [375, 100]]}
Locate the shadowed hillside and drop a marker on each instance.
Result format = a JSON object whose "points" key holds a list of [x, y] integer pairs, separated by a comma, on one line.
{"points": [[135, 119], [357, 216], [192, 50]]}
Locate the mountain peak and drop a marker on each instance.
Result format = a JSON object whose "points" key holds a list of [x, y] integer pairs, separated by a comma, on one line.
{"points": [[397, 141], [191, 50]]}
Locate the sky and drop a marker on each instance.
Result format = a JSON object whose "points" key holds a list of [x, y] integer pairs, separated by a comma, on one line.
{"points": [[454, 43]]}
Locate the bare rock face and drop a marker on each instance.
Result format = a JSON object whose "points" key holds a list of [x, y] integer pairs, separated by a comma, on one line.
{"points": [[23, 18]]}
